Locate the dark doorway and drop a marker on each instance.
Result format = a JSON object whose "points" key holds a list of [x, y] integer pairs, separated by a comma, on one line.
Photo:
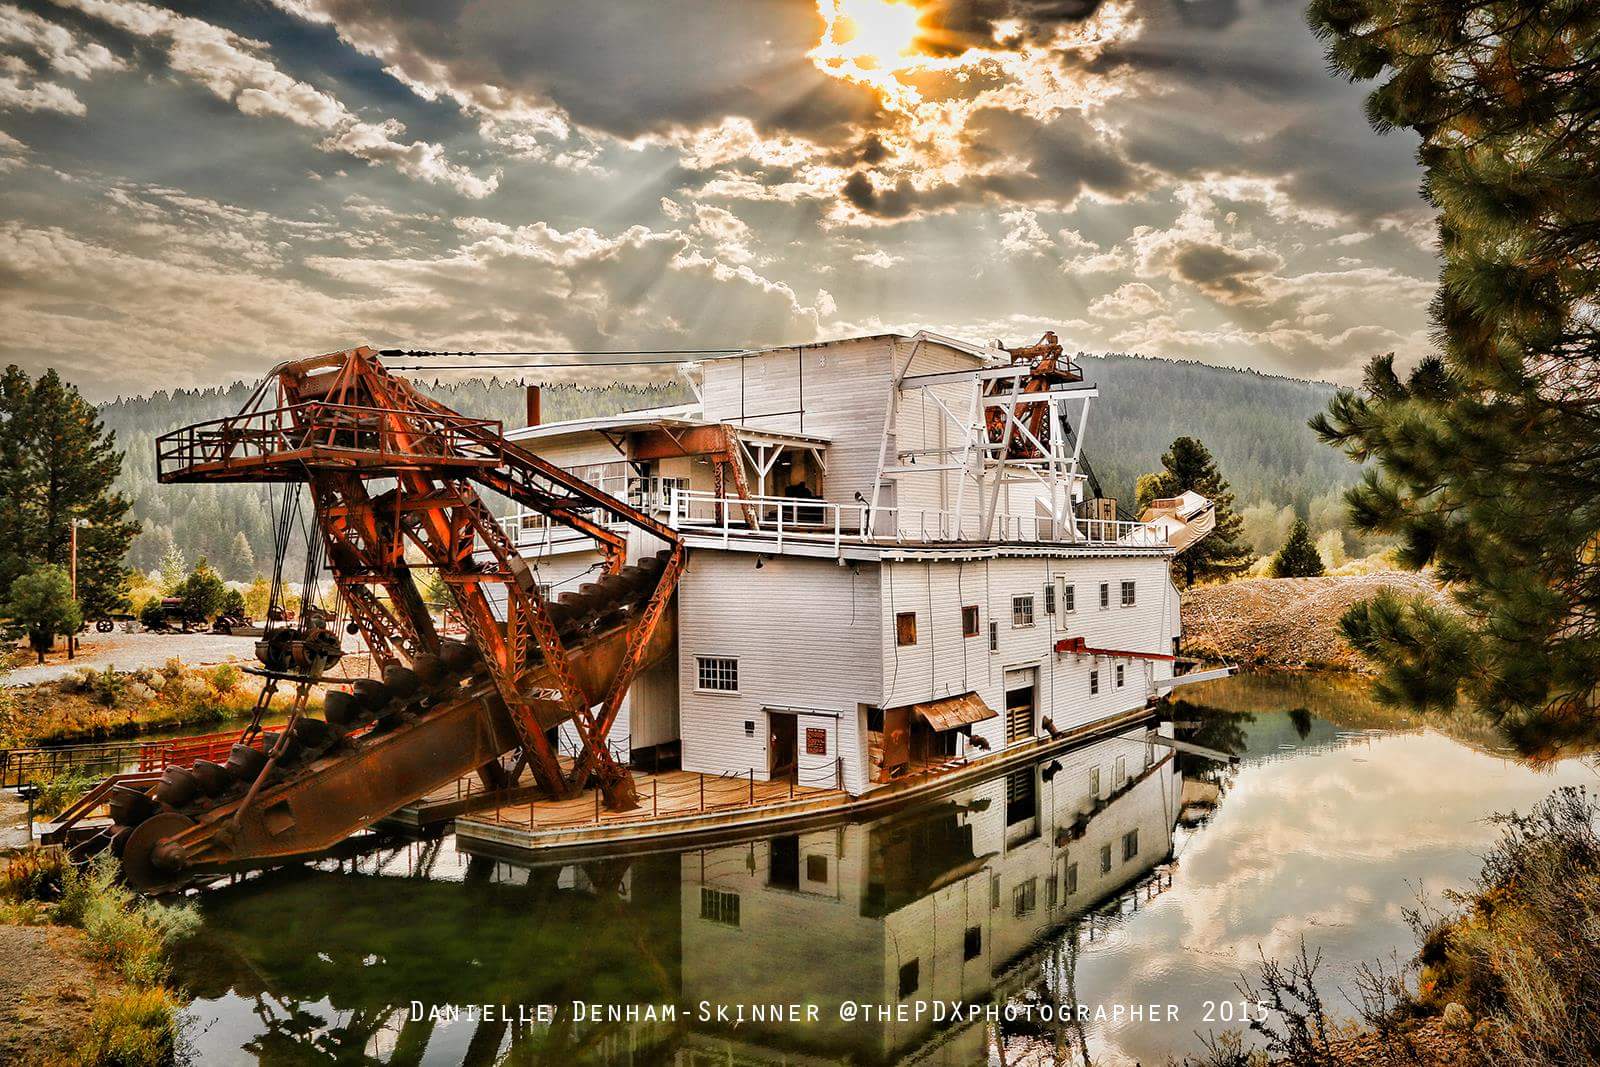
{"points": [[781, 745], [783, 862], [1019, 714]]}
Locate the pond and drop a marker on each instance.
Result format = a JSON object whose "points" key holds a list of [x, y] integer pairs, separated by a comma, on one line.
{"points": [[1111, 897]]}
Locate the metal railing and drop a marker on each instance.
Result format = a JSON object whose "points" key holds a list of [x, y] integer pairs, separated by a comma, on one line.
{"points": [[825, 522]]}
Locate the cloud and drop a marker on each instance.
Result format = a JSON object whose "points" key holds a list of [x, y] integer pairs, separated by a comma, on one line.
{"points": [[878, 258], [40, 96], [1127, 301], [52, 45], [233, 68]]}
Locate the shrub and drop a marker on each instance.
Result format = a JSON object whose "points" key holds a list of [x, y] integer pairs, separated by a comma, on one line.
{"points": [[60, 790], [138, 1028], [128, 933], [173, 668], [106, 687], [152, 616], [225, 678], [38, 874]]}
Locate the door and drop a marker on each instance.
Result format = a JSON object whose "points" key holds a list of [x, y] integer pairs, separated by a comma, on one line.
{"points": [[781, 745], [1020, 705]]}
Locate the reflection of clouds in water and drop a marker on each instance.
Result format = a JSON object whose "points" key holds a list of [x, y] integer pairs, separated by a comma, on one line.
{"points": [[1332, 848]]}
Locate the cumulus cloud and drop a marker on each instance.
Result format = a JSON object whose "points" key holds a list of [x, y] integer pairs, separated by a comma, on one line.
{"points": [[39, 96], [1128, 301], [235, 69]]}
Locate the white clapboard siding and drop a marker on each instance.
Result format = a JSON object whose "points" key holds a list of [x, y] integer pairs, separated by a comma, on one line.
{"points": [[807, 635], [944, 663]]}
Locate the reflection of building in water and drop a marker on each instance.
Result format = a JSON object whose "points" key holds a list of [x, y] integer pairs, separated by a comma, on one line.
{"points": [[967, 898], [953, 901]]}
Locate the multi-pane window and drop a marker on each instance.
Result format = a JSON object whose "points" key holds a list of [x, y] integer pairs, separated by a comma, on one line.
{"points": [[1130, 845], [1069, 599], [1022, 611], [719, 907], [905, 628], [1050, 599], [1105, 594], [1105, 859], [969, 621], [1025, 898], [1094, 682], [717, 674], [994, 636], [1052, 892], [1127, 594], [1120, 777], [1119, 676], [1072, 879]]}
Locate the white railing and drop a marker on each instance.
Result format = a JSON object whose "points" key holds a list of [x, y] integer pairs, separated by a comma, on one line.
{"points": [[825, 522]]}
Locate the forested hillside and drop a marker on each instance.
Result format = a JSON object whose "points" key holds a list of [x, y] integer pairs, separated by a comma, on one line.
{"points": [[1254, 424]]}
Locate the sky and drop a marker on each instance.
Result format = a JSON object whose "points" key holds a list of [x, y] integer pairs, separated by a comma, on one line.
{"points": [[195, 191]]}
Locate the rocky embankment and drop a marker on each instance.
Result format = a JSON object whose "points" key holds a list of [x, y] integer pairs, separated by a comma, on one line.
{"points": [[1286, 623]]}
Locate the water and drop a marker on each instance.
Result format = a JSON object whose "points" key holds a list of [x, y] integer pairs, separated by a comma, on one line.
{"points": [[1023, 894]]}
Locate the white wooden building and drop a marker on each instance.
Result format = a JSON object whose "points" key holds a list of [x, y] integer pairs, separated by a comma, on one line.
{"points": [[893, 560]]}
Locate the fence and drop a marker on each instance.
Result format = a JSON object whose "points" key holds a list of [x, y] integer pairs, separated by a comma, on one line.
{"points": [[20, 766]]}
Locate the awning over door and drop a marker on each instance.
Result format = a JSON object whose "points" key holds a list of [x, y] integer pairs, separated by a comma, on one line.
{"points": [[952, 713]]}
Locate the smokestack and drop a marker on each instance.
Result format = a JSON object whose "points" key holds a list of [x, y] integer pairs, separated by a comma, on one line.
{"points": [[533, 405]]}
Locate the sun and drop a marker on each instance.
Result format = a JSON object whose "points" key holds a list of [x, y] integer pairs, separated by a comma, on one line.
{"points": [[877, 34]]}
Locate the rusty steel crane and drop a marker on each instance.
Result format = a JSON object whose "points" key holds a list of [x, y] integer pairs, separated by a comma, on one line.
{"points": [[387, 467]]}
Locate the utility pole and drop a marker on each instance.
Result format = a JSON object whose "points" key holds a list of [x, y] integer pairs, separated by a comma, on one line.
{"points": [[72, 569]]}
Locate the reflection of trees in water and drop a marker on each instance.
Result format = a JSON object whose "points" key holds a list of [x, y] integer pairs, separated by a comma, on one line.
{"points": [[1211, 727], [330, 963], [1301, 718]]}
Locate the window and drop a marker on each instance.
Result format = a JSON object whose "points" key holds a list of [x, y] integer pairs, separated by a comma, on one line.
{"points": [[717, 674], [1094, 682], [1052, 892], [1025, 897], [1094, 782], [1119, 676], [1072, 879], [816, 867], [1022, 797], [1130, 845], [1022, 611], [969, 621], [719, 907], [1127, 594], [972, 944], [994, 636], [1105, 859], [1105, 595], [1050, 599], [1120, 778], [905, 628], [1069, 599], [994, 891], [910, 978]]}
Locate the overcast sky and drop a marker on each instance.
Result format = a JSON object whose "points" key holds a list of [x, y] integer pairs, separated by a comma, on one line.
{"points": [[194, 190]]}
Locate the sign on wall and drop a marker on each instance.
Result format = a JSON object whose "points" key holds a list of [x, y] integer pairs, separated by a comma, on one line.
{"points": [[816, 741]]}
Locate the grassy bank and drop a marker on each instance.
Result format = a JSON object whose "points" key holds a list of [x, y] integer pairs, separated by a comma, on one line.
{"points": [[1507, 973], [97, 705], [133, 1018]]}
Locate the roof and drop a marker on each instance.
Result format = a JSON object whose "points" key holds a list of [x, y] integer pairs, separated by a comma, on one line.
{"points": [[640, 419], [981, 351], [952, 713]]}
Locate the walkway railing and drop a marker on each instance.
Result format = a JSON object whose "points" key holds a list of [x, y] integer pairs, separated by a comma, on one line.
{"points": [[20, 766], [794, 519]]}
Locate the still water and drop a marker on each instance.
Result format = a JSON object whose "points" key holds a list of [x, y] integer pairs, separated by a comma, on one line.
{"points": [[1120, 877]]}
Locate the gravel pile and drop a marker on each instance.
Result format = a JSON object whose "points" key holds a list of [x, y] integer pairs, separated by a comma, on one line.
{"points": [[1286, 622]]}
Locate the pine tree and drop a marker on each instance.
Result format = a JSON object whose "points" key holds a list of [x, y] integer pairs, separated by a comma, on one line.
{"points": [[1486, 457], [1298, 558], [40, 604], [60, 466], [241, 558], [1188, 466], [174, 568]]}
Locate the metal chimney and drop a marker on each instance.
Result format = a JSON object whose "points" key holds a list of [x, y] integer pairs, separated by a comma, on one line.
{"points": [[533, 405]]}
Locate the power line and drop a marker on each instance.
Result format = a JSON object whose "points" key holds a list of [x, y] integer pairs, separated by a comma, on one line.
{"points": [[442, 368], [413, 352]]}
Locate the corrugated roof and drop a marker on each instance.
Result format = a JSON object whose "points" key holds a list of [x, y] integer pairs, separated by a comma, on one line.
{"points": [[952, 713]]}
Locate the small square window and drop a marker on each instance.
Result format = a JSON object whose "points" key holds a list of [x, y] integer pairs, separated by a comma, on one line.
{"points": [[749, 728], [1069, 599], [1094, 682], [1119, 676], [1105, 594], [1022, 611], [1127, 594], [969, 621], [910, 978], [717, 674], [972, 944], [816, 867], [719, 907], [905, 628], [1105, 859]]}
